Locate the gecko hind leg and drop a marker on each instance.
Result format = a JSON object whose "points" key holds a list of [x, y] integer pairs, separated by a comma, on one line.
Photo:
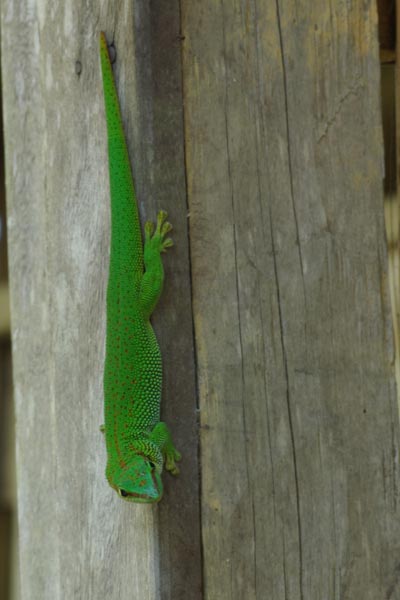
{"points": [[153, 277]]}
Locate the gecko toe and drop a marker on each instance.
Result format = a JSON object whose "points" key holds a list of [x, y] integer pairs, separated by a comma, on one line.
{"points": [[166, 227]]}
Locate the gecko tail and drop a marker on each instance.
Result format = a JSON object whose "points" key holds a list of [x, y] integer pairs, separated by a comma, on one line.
{"points": [[126, 235]]}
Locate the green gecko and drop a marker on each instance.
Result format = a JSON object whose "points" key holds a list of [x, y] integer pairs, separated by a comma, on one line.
{"points": [[137, 442]]}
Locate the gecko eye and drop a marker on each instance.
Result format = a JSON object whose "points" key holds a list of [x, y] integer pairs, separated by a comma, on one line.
{"points": [[152, 465], [123, 493]]}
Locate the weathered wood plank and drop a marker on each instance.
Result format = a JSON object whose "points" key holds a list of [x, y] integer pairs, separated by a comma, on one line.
{"points": [[387, 24], [5, 543], [78, 540], [391, 201], [4, 311], [299, 421], [160, 88]]}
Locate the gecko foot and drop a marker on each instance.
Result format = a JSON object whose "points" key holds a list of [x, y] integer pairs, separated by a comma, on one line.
{"points": [[162, 438], [156, 239], [172, 455]]}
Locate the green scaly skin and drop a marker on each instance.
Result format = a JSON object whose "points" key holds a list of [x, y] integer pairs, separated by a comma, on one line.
{"points": [[138, 443]]}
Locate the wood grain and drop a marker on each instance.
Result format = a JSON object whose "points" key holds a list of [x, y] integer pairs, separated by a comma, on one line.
{"points": [[299, 420]]}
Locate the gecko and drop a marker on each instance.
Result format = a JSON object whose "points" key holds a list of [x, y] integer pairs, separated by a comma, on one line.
{"points": [[138, 443]]}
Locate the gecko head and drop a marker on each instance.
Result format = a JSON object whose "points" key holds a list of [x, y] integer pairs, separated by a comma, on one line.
{"points": [[139, 481]]}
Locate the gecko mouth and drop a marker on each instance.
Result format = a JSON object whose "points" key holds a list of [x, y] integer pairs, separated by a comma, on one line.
{"points": [[138, 497]]}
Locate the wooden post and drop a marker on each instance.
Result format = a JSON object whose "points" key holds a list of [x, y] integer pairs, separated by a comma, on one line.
{"points": [[282, 147]]}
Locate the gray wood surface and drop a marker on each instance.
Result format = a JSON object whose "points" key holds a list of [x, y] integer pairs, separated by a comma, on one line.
{"points": [[299, 420], [77, 539]]}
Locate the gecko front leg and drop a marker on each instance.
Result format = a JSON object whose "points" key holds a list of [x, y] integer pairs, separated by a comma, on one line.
{"points": [[162, 438]]}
